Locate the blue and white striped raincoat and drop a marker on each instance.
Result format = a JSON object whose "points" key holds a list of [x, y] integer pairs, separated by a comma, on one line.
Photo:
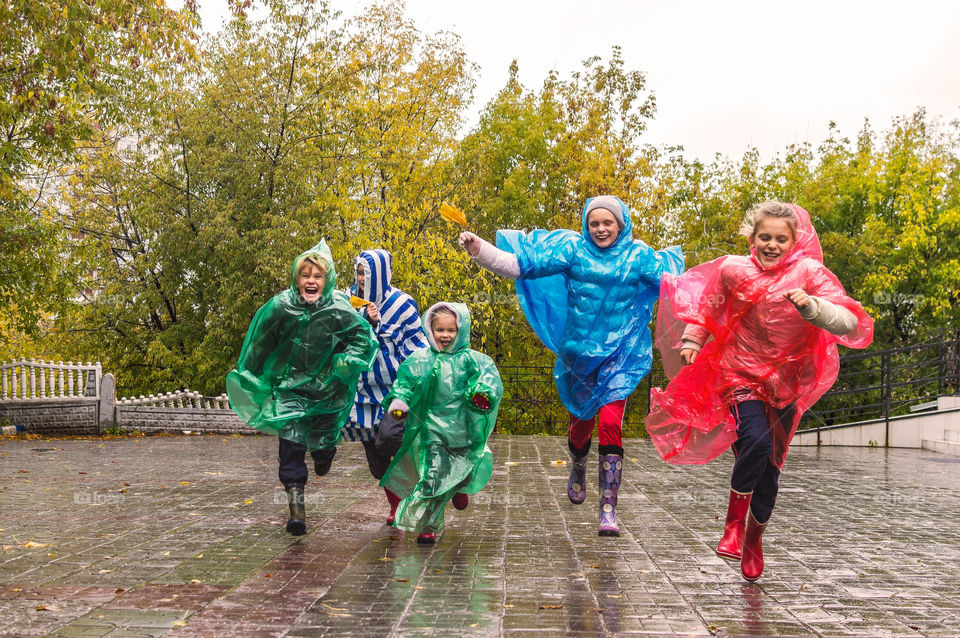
{"points": [[399, 332]]}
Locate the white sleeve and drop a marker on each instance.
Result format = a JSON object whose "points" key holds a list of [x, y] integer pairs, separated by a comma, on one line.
{"points": [[829, 316], [497, 261], [398, 404]]}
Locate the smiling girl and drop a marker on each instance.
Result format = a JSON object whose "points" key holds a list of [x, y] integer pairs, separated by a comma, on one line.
{"points": [[589, 297], [758, 343]]}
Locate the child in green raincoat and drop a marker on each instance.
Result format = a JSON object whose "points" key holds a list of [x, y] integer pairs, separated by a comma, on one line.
{"points": [[449, 395], [297, 373]]}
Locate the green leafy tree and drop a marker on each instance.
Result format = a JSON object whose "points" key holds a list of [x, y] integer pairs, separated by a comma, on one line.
{"points": [[67, 69]]}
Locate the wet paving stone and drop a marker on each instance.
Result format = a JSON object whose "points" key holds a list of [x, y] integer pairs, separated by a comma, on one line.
{"points": [[184, 536]]}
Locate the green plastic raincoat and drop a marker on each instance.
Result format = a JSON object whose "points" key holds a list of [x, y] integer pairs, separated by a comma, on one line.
{"points": [[298, 369], [444, 448]]}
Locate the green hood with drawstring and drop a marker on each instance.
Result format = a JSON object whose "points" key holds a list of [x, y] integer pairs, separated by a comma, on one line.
{"points": [[298, 368], [444, 448]]}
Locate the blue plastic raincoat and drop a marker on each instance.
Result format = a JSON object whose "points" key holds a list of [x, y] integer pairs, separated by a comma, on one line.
{"points": [[591, 306]]}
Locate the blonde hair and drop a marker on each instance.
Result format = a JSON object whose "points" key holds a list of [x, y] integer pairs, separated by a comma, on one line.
{"points": [[767, 210], [310, 259], [443, 310]]}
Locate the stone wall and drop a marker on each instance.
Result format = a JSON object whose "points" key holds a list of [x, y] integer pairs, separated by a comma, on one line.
{"points": [[52, 416], [147, 418]]}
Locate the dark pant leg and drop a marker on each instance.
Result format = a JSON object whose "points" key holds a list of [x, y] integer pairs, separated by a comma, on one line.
{"points": [[377, 462], [765, 494], [752, 447], [293, 469]]}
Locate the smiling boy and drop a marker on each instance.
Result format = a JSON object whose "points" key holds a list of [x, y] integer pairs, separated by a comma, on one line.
{"points": [[297, 373]]}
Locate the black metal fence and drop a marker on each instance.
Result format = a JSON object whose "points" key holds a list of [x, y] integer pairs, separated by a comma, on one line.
{"points": [[878, 385], [531, 405], [871, 386]]}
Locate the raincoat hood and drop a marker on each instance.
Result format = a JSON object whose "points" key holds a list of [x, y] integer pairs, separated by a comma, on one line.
{"points": [[462, 340], [806, 244], [321, 253], [377, 267], [623, 215]]}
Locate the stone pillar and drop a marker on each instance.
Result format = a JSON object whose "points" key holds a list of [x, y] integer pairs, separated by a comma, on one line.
{"points": [[106, 406]]}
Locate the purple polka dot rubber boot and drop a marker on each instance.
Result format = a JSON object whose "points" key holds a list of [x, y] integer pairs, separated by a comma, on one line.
{"points": [[610, 468], [577, 485]]}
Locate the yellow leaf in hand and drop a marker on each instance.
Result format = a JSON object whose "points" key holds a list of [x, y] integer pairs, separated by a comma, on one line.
{"points": [[357, 302]]}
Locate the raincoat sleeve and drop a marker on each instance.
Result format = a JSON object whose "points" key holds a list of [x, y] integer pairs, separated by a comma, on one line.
{"points": [[668, 261], [262, 339], [484, 381], [824, 284], [544, 259], [540, 253], [252, 382], [691, 310], [358, 345], [410, 336], [411, 374]]}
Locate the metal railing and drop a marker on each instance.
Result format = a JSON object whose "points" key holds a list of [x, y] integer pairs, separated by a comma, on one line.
{"points": [[531, 406], [871, 386], [876, 386]]}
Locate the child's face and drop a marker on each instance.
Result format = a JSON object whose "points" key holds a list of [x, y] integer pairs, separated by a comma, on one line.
{"points": [[360, 279], [310, 280], [444, 327], [603, 227], [772, 239]]}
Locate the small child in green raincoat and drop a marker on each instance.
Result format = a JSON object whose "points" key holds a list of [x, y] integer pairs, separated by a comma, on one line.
{"points": [[297, 373], [449, 396]]}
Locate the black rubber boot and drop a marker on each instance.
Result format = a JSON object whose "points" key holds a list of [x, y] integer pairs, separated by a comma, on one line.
{"points": [[297, 525]]}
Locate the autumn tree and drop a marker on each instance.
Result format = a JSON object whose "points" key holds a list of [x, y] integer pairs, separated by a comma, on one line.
{"points": [[67, 70]]}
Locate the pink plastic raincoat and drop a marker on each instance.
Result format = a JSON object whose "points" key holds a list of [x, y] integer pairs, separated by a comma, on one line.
{"points": [[761, 348]]}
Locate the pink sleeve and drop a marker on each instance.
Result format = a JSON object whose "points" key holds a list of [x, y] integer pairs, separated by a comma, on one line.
{"points": [[693, 332]]}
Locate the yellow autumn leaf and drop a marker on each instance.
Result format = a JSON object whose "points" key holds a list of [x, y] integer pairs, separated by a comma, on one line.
{"points": [[453, 214], [357, 302], [35, 544]]}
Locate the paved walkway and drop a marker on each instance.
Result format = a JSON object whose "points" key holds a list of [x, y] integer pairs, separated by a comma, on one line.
{"points": [[144, 536]]}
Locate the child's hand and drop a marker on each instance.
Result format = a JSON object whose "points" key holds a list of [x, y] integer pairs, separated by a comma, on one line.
{"points": [[688, 356], [373, 315], [480, 401], [470, 243], [798, 298]]}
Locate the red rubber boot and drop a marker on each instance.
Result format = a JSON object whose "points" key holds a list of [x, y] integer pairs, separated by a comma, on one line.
{"points": [[733, 530], [751, 565], [394, 500]]}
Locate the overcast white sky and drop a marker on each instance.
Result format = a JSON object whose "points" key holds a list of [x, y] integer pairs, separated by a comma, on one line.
{"points": [[727, 74]]}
